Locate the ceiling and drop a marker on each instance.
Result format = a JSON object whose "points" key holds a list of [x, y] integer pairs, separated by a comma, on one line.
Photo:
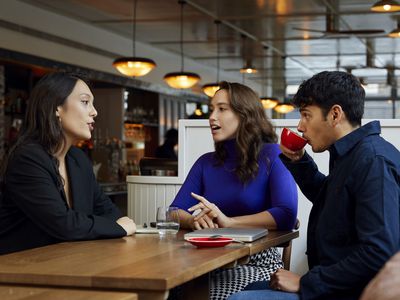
{"points": [[260, 31]]}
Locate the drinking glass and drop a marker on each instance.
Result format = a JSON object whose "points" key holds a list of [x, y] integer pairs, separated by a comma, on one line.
{"points": [[167, 220]]}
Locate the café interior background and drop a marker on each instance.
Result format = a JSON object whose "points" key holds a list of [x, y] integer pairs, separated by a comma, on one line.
{"points": [[285, 41]]}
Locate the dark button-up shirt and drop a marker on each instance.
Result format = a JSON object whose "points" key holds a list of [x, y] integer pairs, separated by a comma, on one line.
{"points": [[353, 226]]}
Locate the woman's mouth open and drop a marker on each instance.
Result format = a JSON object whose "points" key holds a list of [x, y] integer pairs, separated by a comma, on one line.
{"points": [[215, 128]]}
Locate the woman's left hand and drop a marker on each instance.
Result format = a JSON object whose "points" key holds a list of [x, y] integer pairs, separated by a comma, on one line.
{"points": [[211, 211]]}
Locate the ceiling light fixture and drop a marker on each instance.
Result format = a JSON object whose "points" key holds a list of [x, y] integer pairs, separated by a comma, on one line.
{"points": [[248, 67], [396, 32], [267, 102], [386, 6], [181, 80], [134, 66], [211, 88], [284, 108]]}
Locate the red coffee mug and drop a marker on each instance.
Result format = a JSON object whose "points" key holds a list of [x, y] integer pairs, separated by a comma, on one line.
{"points": [[292, 140]]}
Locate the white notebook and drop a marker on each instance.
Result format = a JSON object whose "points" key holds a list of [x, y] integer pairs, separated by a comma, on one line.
{"points": [[240, 234]]}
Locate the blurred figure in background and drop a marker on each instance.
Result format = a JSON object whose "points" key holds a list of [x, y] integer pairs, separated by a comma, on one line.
{"points": [[167, 150]]}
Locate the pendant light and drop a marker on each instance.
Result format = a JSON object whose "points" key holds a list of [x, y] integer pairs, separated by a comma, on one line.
{"points": [[181, 80], [267, 102], [386, 6], [284, 108], [134, 66], [211, 88], [396, 32], [247, 67]]}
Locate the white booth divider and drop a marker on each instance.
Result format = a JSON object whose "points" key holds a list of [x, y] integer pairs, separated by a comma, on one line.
{"points": [[145, 193]]}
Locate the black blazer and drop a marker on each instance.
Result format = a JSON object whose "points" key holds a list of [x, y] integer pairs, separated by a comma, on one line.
{"points": [[33, 206]]}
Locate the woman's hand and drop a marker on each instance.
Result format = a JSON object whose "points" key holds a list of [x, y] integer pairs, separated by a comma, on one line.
{"points": [[127, 224], [210, 215], [203, 222]]}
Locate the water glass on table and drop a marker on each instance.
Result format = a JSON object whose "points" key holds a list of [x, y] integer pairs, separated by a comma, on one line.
{"points": [[167, 220]]}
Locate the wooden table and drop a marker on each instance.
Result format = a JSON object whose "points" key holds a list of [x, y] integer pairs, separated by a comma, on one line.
{"points": [[144, 264], [14, 292]]}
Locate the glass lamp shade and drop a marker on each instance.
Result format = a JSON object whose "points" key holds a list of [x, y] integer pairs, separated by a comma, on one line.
{"points": [[395, 33], [386, 6], [269, 102], [284, 108], [210, 89], [181, 80], [248, 70], [134, 66]]}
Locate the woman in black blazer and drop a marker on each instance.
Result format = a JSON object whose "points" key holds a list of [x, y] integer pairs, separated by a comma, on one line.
{"points": [[48, 190]]}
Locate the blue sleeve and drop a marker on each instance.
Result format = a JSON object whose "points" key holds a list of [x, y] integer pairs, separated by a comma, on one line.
{"points": [[193, 183], [283, 195], [306, 174], [376, 200]]}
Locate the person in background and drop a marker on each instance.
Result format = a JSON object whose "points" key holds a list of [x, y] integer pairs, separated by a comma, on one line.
{"points": [[167, 150], [49, 193], [386, 285], [353, 227], [242, 184]]}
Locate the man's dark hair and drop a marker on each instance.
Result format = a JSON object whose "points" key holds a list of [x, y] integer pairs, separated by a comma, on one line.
{"points": [[326, 89]]}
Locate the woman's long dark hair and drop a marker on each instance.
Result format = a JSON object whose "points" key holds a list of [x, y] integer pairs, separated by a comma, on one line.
{"points": [[254, 129], [41, 125]]}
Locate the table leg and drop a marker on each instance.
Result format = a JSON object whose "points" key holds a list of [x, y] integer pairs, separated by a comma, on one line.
{"points": [[196, 289]]}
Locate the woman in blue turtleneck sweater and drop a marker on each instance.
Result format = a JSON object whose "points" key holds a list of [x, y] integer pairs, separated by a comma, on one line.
{"points": [[242, 184]]}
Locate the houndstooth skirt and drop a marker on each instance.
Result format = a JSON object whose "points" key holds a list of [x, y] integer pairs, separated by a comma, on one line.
{"points": [[225, 282]]}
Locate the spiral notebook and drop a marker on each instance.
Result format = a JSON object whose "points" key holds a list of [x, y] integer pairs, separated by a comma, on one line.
{"points": [[240, 234]]}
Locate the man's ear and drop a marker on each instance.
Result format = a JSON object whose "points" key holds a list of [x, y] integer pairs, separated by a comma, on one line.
{"points": [[336, 114]]}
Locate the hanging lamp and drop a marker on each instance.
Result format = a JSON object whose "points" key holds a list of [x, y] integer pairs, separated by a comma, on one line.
{"points": [[386, 6], [396, 32], [267, 102], [181, 80], [134, 66], [247, 66], [211, 88], [284, 108]]}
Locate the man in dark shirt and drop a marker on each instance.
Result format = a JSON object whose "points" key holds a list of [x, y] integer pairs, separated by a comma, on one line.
{"points": [[354, 223]]}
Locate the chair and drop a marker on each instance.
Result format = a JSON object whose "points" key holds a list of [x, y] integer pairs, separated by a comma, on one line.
{"points": [[158, 166], [287, 249]]}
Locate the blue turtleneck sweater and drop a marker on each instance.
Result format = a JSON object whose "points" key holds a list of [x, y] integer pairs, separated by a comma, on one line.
{"points": [[272, 190]]}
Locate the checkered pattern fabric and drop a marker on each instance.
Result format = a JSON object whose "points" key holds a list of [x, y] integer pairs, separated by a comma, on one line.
{"points": [[225, 282]]}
